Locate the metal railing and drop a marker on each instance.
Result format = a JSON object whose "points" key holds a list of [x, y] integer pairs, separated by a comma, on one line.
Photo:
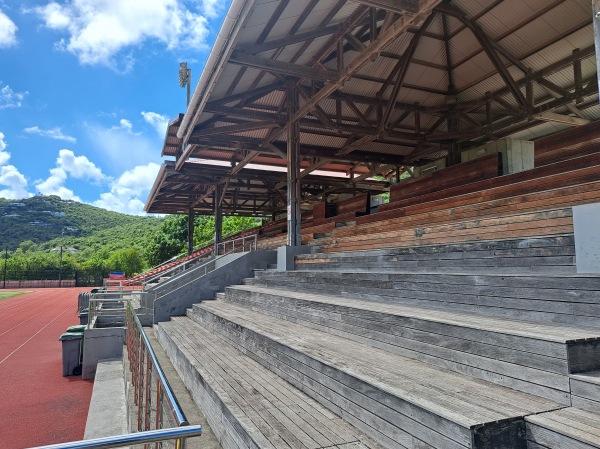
{"points": [[246, 243], [131, 439], [156, 403], [149, 381]]}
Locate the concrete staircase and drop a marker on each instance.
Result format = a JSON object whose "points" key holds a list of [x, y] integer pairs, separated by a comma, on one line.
{"points": [[423, 347]]}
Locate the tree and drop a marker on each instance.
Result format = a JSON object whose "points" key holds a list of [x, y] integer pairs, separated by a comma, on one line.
{"points": [[168, 241]]}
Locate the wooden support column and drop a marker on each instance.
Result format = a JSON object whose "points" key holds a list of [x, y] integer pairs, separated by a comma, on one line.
{"points": [[596, 20], [190, 231], [454, 148], [293, 169], [217, 194]]}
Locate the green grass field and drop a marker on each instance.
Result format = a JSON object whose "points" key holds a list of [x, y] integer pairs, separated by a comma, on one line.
{"points": [[6, 295]]}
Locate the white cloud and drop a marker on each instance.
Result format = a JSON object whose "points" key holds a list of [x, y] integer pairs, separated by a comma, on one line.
{"points": [[100, 31], [122, 147], [11, 99], [54, 133], [159, 122], [67, 164], [212, 8], [4, 155], [128, 193], [79, 167], [11, 177], [54, 185], [8, 31], [15, 181], [124, 124]]}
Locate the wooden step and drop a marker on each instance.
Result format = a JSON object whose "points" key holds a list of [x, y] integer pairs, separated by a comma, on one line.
{"points": [[585, 389], [569, 428], [531, 357], [552, 298], [246, 405], [390, 397], [550, 254]]}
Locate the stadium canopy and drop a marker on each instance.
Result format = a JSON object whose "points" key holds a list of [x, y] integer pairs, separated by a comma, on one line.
{"points": [[300, 99]]}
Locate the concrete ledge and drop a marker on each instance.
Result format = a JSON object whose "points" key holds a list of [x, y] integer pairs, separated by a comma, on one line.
{"points": [[107, 415]]}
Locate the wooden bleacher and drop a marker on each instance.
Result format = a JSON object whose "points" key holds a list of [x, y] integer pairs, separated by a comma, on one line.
{"points": [[451, 318]]}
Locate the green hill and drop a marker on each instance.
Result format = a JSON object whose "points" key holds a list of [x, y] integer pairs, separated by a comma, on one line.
{"points": [[48, 222]]}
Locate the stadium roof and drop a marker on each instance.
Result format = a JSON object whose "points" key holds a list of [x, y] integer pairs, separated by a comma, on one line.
{"points": [[382, 85]]}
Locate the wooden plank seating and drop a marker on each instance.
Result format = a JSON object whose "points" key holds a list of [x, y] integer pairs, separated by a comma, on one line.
{"points": [[569, 428], [567, 144], [532, 224], [532, 357], [540, 254], [476, 170], [585, 391], [246, 405], [576, 171], [552, 298], [399, 401]]}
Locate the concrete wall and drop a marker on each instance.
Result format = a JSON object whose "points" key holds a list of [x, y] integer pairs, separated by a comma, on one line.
{"points": [[100, 344], [586, 224], [194, 286]]}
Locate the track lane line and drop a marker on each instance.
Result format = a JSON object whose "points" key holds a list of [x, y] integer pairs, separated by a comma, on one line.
{"points": [[31, 338]]}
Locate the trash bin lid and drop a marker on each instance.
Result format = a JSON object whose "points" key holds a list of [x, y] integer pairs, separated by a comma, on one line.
{"points": [[71, 336], [76, 328], [84, 312]]}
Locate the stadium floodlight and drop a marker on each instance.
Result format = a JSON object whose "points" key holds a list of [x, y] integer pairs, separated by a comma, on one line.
{"points": [[185, 75]]}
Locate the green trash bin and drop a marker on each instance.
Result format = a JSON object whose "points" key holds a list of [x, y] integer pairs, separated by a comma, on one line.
{"points": [[71, 352], [77, 328]]}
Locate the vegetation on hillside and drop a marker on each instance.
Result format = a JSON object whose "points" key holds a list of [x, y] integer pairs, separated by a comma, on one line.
{"points": [[44, 233]]}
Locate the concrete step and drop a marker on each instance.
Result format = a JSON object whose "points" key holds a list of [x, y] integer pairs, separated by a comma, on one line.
{"points": [[399, 401], [551, 298], [247, 405], [585, 388], [531, 357], [569, 428], [549, 254]]}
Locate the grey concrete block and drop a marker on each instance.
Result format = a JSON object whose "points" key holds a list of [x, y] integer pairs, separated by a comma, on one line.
{"points": [[100, 344], [287, 254], [586, 222], [107, 415]]}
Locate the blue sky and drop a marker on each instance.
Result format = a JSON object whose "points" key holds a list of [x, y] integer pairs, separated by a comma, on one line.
{"points": [[86, 90]]}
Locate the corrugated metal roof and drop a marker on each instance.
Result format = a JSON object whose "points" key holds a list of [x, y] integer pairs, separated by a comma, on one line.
{"points": [[535, 34]]}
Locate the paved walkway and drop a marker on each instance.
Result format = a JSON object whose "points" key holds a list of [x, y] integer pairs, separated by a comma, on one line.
{"points": [[38, 405]]}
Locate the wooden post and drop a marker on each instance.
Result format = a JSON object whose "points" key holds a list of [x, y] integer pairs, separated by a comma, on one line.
{"points": [[218, 214], [190, 231], [596, 20], [293, 170]]}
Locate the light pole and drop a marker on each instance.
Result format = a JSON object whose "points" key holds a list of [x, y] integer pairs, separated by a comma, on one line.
{"points": [[62, 237], [185, 76], [5, 263]]}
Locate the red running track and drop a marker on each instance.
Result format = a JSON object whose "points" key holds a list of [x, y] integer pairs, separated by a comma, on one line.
{"points": [[39, 406]]}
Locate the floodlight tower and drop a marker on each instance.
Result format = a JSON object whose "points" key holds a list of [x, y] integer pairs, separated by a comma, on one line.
{"points": [[185, 76]]}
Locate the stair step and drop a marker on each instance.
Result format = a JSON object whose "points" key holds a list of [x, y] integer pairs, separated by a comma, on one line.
{"points": [[516, 255], [569, 299], [388, 396], [585, 388], [569, 428], [247, 405], [531, 357]]}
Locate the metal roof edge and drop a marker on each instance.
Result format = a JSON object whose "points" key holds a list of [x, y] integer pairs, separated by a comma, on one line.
{"points": [[219, 54]]}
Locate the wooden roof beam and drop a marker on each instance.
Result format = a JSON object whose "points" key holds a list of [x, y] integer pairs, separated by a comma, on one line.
{"points": [[283, 68], [397, 6]]}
